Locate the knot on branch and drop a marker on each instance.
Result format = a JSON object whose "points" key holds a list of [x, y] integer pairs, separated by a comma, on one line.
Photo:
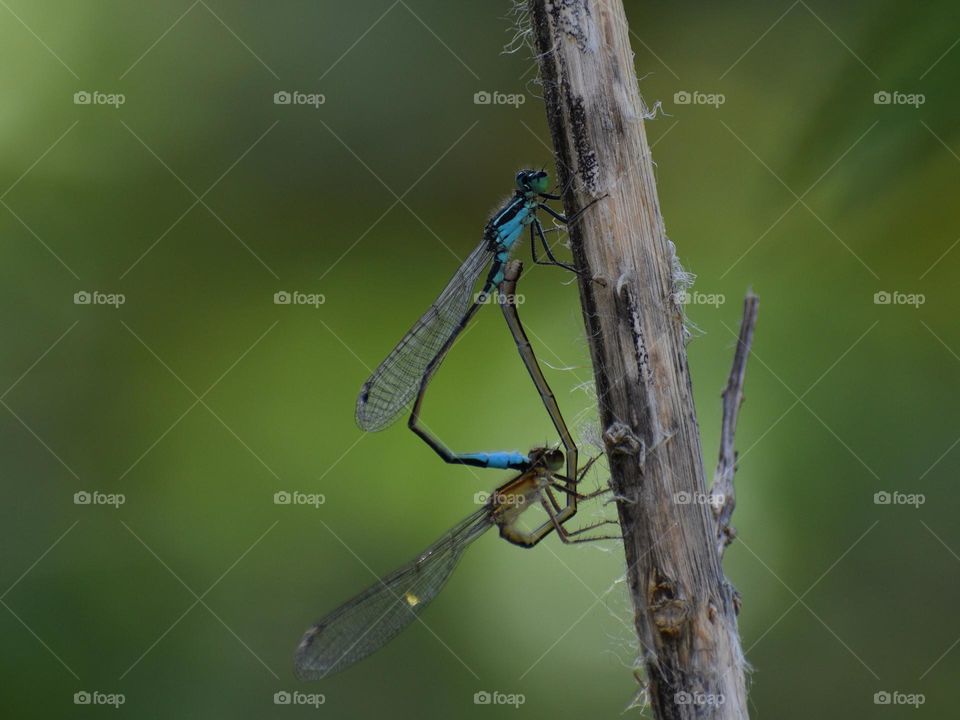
{"points": [[620, 439], [737, 599], [728, 534], [670, 613], [720, 503]]}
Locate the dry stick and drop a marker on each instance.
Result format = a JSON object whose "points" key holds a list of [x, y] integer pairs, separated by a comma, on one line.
{"points": [[684, 610], [722, 494]]}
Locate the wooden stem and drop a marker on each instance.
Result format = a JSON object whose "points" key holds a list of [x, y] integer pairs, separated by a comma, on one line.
{"points": [[685, 614]]}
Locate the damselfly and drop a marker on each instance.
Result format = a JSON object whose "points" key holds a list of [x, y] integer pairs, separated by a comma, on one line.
{"points": [[364, 624], [404, 374]]}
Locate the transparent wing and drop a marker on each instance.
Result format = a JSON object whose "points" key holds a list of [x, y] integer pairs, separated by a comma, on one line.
{"points": [[395, 382], [366, 623]]}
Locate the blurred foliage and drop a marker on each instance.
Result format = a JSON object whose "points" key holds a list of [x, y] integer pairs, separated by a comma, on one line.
{"points": [[199, 398]]}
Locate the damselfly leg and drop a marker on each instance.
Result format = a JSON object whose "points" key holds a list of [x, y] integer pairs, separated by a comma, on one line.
{"points": [[547, 498], [537, 228], [563, 485], [536, 233], [508, 294], [541, 484]]}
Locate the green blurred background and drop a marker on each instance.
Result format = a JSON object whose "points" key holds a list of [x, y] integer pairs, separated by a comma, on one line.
{"points": [[199, 398]]}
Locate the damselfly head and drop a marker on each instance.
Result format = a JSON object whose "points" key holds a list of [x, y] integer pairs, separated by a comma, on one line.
{"points": [[535, 182], [548, 458]]}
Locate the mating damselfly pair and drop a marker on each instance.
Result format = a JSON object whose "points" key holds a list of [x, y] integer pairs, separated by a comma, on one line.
{"points": [[365, 623]]}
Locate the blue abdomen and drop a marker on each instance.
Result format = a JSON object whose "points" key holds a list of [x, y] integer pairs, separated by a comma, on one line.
{"points": [[499, 460]]}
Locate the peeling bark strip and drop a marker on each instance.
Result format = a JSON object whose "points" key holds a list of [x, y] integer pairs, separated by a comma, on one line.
{"points": [[684, 609]]}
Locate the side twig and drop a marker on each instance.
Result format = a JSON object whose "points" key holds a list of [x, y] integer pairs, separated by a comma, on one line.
{"points": [[722, 494]]}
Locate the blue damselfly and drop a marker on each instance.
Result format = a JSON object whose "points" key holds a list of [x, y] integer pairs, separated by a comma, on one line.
{"points": [[406, 371]]}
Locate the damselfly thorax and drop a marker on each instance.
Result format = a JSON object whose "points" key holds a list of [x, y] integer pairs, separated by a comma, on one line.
{"points": [[503, 231]]}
